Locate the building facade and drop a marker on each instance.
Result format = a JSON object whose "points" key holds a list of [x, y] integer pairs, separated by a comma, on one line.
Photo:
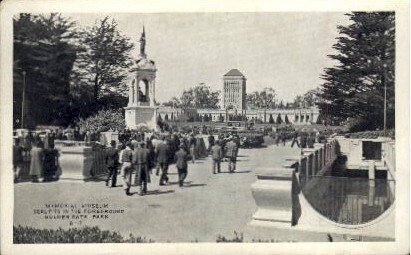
{"points": [[234, 91], [233, 104]]}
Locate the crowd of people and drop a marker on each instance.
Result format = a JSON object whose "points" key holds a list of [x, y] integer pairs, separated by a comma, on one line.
{"points": [[40, 153], [137, 155]]}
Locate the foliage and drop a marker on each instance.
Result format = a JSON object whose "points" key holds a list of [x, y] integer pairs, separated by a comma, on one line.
{"points": [[104, 60], [286, 120], [238, 238], [27, 235], [279, 119], [200, 96], [309, 99], [366, 64], [372, 134], [271, 119], [262, 99], [103, 121], [174, 102], [43, 49]]}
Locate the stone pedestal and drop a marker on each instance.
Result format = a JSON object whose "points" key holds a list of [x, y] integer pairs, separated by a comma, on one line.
{"points": [[140, 115], [272, 195], [75, 162]]}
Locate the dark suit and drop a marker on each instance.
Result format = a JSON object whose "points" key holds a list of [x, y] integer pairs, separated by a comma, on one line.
{"points": [[181, 158], [140, 162], [231, 154], [111, 159], [163, 156], [216, 155]]}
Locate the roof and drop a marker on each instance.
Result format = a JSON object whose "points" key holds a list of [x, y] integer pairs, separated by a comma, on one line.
{"points": [[234, 72]]}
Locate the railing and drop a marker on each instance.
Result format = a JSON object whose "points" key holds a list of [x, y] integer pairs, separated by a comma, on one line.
{"points": [[388, 156]]}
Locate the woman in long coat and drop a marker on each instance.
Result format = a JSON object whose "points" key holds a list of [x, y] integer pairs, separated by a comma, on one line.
{"points": [[36, 162]]}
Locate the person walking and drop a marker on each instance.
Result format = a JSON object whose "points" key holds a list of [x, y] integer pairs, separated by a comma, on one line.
{"points": [[126, 168], [163, 152], [216, 155], [112, 163], [211, 141], [36, 161], [192, 142], [303, 140], [231, 154], [181, 158], [17, 159], [295, 140], [310, 140], [50, 163], [141, 164]]}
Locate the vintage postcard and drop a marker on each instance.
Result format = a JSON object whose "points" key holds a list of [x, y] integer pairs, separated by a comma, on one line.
{"points": [[190, 127]]}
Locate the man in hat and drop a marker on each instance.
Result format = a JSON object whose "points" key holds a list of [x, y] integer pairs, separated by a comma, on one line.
{"points": [[163, 157], [112, 162], [140, 163], [126, 168], [231, 154], [181, 158], [216, 155]]}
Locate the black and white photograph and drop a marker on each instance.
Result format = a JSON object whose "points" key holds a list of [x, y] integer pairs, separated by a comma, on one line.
{"points": [[258, 127]]}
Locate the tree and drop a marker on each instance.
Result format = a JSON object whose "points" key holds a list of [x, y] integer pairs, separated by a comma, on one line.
{"points": [[200, 96], [366, 56], [104, 61], [103, 121], [279, 120], [44, 51], [174, 103], [286, 120], [271, 119], [262, 99], [166, 117]]}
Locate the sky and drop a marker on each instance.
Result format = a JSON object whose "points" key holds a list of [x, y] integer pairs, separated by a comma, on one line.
{"points": [[285, 51]]}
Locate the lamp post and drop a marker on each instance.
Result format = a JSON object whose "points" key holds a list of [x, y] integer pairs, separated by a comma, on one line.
{"points": [[23, 99], [385, 99]]}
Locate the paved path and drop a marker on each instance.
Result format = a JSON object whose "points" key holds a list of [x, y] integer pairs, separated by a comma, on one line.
{"points": [[210, 205]]}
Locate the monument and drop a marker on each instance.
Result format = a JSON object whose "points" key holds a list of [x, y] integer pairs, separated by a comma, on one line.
{"points": [[141, 109]]}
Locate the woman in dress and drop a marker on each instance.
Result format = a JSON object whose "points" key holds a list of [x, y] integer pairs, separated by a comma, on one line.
{"points": [[36, 162]]}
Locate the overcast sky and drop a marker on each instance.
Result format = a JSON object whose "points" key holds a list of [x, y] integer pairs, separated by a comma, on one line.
{"points": [[286, 51]]}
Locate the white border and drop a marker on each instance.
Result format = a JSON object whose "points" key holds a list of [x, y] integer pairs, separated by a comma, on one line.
{"points": [[400, 246]]}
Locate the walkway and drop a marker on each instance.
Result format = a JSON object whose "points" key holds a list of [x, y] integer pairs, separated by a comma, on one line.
{"points": [[209, 206]]}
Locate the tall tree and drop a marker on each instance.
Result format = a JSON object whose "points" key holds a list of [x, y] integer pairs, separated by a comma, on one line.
{"points": [[105, 61], [355, 87], [200, 96], [262, 99], [45, 53]]}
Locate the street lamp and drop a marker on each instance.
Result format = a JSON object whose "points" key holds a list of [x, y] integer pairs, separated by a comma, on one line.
{"points": [[385, 99], [23, 99]]}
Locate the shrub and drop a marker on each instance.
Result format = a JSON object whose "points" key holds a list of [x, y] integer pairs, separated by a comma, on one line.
{"points": [[71, 235], [238, 238], [103, 121]]}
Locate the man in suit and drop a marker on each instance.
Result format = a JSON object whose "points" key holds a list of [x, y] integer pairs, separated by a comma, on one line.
{"points": [[231, 154], [181, 158], [163, 156], [126, 168], [211, 142], [111, 159], [216, 155], [193, 145], [140, 160], [17, 159]]}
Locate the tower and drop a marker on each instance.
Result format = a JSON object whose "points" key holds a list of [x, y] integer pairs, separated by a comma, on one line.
{"points": [[141, 109], [234, 91]]}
